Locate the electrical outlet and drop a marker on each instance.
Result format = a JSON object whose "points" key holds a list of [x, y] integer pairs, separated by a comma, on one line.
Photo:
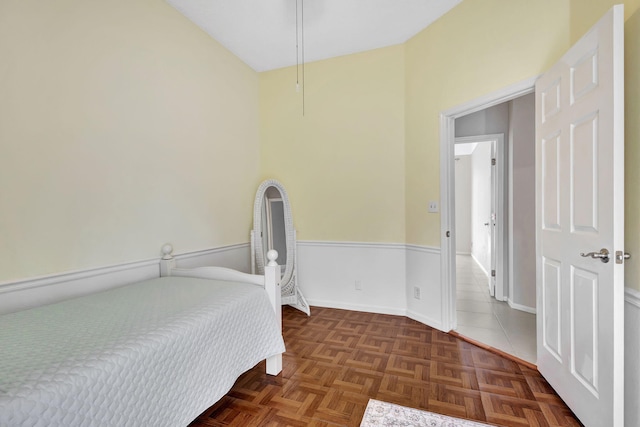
{"points": [[416, 292], [433, 206], [358, 285]]}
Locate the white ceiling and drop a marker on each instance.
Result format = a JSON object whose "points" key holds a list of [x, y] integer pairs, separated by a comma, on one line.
{"points": [[465, 149], [262, 33]]}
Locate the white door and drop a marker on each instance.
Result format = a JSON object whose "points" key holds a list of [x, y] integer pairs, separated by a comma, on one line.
{"points": [[579, 204]]}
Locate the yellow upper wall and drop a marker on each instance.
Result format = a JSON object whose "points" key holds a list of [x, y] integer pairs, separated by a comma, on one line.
{"points": [[478, 47], [585, 14], [122, 126], [632, 146], [343, 162]]}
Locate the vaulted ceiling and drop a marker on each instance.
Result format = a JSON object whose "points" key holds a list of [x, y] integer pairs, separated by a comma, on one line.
{"points": [[264, 33]]}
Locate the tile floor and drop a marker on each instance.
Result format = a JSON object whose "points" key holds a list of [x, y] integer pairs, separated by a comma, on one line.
{"points": [[487, 320]]}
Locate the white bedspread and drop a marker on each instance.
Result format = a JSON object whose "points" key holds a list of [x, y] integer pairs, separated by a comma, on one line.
{"points": [[155, 353]]}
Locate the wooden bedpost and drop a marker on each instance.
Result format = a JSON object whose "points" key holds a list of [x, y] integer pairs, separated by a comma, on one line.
{"points": [[272, 286]]}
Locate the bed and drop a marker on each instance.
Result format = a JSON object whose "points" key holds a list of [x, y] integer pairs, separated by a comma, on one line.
{"points": [[153, 353]]}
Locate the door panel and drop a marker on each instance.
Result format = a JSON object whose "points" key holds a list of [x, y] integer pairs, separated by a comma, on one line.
{"points": [[551, 307], [550, 101], [584, 327], [584, 174], [551, 182], [580, 209]]}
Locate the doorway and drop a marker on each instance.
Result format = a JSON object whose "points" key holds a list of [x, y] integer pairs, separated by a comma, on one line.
{"points": [[495, 273], [480, 207]]}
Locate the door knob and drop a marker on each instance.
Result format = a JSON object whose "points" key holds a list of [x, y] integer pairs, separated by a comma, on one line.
{"points": [[621, 256], [603, 255]]}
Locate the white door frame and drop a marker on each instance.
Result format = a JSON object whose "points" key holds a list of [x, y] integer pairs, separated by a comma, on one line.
{"points": [[447, 180], [497, 228]]}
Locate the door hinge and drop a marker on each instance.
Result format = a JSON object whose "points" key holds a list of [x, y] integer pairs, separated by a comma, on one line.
{"points": [[493, 273], [493, 162]]}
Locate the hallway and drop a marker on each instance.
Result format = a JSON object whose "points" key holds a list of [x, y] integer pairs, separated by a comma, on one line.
{"points": [[482, 318]]}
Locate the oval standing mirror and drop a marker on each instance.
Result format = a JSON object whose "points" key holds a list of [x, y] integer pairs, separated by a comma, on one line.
{"points": [[273, 229]]}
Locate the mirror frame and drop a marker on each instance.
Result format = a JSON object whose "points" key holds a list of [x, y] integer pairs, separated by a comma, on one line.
{"points": [[288, 283]]}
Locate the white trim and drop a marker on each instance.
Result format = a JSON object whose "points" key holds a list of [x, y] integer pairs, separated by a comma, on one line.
{"points": [[426, 320], [521, 307], [32, 292], [447, 221], [489, 100], [205, 252], [421, 248], [68, 276], [479, 138], [365, 245], [358, 307], [632, 297], [236, 256]]}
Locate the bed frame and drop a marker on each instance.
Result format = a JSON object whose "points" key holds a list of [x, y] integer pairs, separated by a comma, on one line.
{"points": [[270, 282]]}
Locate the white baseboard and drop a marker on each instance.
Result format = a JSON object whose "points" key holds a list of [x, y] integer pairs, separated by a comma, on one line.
{"points": [[427, 320], [521, 307], [357, 307], [33, 292], [631, 360]]}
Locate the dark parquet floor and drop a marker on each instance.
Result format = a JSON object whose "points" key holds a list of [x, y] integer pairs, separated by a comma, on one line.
{"points": [[337, 359]]}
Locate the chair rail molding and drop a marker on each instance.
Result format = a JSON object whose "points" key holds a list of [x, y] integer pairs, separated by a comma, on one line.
{"points": [[632, 297], [31, 292]]}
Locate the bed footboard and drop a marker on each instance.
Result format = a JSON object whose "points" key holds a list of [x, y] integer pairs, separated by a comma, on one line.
{"points": [[270, 282]]}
